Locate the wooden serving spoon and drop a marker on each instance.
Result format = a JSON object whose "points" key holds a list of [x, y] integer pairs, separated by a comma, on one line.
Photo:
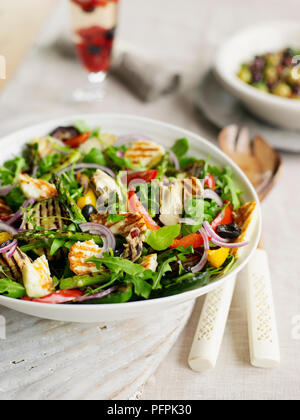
{"points": [[258, 160], [262, 164]]}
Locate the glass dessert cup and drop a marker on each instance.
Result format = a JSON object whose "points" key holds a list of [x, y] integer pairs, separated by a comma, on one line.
{"points": [[94, 23]]}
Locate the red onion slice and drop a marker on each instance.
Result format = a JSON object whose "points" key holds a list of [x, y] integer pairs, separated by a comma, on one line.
{"points": [[8, 247], [97, 295], [174, 159], [212, 195], [6, 228], [13, 248], [222, 242], [103, 231], [18, 215], [6, 190], [88, 166], [202, 263]]}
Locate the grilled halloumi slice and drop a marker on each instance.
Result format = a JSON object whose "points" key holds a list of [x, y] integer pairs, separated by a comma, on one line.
{"points": [[79, 253], [174, 197], [37, 278], [123, 227], [15, 264], [149, 262], [244, 217], [145, 154], [105, 186], [37, 188], [47, 214]]}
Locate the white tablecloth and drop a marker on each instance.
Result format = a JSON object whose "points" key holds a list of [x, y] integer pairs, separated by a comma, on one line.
{"points": [[185, 35]]}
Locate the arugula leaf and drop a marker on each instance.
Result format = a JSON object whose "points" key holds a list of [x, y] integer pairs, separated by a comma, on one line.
{"points": [[47, 163], [82, 126], [11, 170], [11, 289], [231, 190], [141, 286], [194, 209], [181, 147], [161, 239], [15, 199], [121, 161], [117, 265], [115, 218], [225, 181], [185, 161], [164, 268], [95, 156]]}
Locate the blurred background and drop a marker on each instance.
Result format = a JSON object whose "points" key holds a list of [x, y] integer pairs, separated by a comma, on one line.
{"points": [[183, 35]]}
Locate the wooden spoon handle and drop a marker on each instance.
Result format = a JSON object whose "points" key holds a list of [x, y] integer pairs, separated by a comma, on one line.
{"points": [[210, 331], [263, 334]]}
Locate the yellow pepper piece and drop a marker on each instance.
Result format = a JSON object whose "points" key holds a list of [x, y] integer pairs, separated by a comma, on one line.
{"points": [[87, 199], [4, 237], [217, 257]]}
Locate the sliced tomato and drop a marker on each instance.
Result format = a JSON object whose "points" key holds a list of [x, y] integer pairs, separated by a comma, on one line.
{"points": [[225, 217], [194, 239], [136, 206], [209, 181], [78, 140], [146, 176], [61, 296]]}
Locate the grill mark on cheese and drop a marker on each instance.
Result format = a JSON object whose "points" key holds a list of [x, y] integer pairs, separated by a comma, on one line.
{"points": [[123, 227]]}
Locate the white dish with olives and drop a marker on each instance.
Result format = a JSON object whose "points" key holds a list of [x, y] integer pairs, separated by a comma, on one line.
{"points": [[245, 66]]}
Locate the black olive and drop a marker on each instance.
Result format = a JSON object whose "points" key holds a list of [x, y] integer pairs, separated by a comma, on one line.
{"points": [[88, 210], [64, 133], [231, 231]]}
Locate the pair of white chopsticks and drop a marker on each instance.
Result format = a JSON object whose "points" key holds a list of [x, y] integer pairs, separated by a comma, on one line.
{"points": [[263, 334]]}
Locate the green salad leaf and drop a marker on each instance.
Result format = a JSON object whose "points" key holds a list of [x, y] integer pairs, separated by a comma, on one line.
{"points": [[163, 238], [95, 156], [11, 289]]}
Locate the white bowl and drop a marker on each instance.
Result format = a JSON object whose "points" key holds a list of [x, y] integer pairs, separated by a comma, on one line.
{"points": [[268, 37], [165, 134]]}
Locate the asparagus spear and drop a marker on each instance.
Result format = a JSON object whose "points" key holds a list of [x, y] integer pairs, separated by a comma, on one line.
{"points": [[51, 235], [35, 245], [68, 202], [70, 160], [78, 282]]}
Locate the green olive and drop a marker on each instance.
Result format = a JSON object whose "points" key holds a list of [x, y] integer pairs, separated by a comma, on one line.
{"points": [[282, 89], [245, 74], [270, 74], [274, 59]]}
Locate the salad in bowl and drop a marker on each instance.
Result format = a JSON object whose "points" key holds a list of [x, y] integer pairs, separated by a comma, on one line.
{"points": [[88, 217]]}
